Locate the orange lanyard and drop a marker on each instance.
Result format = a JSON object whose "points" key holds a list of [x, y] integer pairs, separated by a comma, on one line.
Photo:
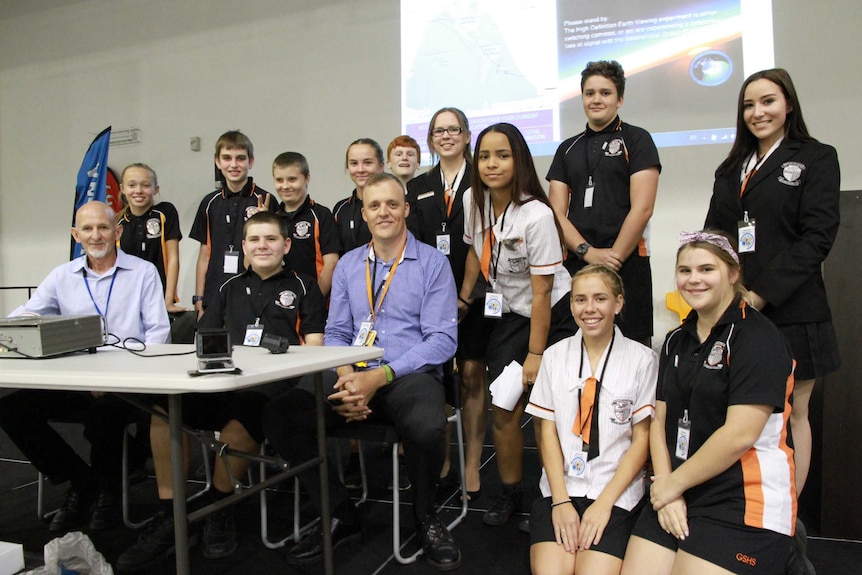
{"points": [[386, 282]]}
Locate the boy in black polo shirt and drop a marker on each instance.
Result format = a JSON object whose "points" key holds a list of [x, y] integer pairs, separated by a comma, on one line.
{"points": [[280, 302], [603, 185], [221, 215], [310, 226]]}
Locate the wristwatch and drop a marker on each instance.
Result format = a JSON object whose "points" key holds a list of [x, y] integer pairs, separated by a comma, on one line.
{"points": [[582, 249], [197, 298]]}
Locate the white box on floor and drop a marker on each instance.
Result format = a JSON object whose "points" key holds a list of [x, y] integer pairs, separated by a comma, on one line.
{"points": [[11, 558]]}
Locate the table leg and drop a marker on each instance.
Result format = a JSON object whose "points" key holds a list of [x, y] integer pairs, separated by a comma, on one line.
{"points": [[178, 482], [324, 475]]}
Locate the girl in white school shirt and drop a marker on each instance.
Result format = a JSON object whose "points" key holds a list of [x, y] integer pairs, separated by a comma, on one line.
{"points": [[594, 395], [518, 252]]}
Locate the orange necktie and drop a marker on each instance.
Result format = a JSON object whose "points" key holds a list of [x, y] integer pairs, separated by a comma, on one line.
{"points": [[447, 196], [485, 264], [745, 181], [583, 422]]}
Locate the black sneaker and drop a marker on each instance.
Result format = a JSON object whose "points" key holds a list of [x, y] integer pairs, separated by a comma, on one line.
{"points": [[73, 512], [507, 503], [437, 544], [310, 549], [219, 538], [156, 544]]}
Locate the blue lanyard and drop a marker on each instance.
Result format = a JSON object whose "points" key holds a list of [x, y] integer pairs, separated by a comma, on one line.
{"points": [[110, 290]]}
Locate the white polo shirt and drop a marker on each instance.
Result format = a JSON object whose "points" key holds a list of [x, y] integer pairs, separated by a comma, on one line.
{"points": [[528, 243], [626, 398]]}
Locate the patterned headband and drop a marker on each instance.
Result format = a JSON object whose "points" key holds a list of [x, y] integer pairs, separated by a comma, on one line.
{"points": [[714, 239]]}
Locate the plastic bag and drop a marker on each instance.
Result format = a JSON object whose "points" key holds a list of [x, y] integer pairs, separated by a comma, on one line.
{"points": [[73, 554]]}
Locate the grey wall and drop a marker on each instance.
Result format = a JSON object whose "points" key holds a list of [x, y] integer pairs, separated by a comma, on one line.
{"points": [[308, 75]]}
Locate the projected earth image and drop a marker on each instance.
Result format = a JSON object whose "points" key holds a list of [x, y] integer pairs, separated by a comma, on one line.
{"points": [[711, 68]]}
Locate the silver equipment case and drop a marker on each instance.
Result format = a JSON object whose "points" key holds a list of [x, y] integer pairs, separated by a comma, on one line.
{"points": [[45, 336]]}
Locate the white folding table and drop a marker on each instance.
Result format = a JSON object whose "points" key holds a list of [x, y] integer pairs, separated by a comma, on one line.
{"points": [[114, 370]]}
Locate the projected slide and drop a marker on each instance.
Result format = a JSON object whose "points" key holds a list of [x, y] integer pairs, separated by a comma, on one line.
{"points": [[520, 61]]}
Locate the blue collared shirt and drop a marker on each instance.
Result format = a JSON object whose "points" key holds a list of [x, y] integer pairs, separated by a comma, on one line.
{"points": [[417, 324], [136, 307]]}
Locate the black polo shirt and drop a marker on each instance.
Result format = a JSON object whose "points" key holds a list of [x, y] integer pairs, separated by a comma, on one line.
{"points": [[610, 157], [313, 234], [745, 360], [144, 236], [287, 304], [352, 229], [218, 224]]}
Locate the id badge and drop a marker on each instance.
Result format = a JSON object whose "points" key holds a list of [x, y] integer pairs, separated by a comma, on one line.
{"points": [[588, 193], [443, 244], [493, 305], [231, 262], [747, 236], [253, 335], [577, 465], [364, 331], [683, 437]]}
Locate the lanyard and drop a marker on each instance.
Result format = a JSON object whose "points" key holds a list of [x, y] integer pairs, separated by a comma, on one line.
{"points": [[591, 169], [753, 164], [450, 191], [491, 242], [378, 297], [110, 290], [586, 416], [254, 289], [237, 215]]}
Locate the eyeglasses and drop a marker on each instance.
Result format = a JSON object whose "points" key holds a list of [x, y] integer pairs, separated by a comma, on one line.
{"points": [[451, 130]]}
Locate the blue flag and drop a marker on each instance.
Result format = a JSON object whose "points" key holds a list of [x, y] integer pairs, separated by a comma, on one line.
{"points": [[91, 178]]}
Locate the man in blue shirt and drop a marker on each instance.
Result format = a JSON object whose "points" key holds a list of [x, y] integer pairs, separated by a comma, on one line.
{"points": [[407, 305], [125, 290]]}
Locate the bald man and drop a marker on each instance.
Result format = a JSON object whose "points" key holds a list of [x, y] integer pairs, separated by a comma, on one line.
{"points": [[126, 291]]}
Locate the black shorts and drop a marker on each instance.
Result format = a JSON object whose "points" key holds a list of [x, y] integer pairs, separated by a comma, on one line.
{"points": [[737, 548], [815, 348], [212, 411], [614, 539], [473, 332], [636, 319], [510, 337]]}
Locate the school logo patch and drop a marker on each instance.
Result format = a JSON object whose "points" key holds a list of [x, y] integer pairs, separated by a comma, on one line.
{"points": [[622, 411], [518, 265], [615, 147], [154, 228], [791, 172], [286, 300], [301, 230], [716, 356]]}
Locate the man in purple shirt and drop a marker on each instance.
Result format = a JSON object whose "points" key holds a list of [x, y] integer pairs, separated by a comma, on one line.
{"points": [[399, 294]]}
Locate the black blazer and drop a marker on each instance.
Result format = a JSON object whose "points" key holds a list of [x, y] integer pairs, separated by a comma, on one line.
{"points": [[793, 199], [428, 213]]}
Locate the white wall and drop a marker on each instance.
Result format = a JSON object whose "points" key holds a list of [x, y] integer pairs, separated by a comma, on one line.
{"points": [[306, 75]]}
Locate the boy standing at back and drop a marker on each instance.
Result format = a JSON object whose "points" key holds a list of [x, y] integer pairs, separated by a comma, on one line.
{"points": [[310, 226], [221, 215]]}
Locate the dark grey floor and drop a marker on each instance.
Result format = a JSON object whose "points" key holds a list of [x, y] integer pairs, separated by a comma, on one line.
{"points": [[484, 549]]}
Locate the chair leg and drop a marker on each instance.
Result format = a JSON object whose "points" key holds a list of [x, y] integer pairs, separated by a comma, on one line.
{"points": [[456, 419], [40, 496], [127, 516], [396, 513], [298, 530]]}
